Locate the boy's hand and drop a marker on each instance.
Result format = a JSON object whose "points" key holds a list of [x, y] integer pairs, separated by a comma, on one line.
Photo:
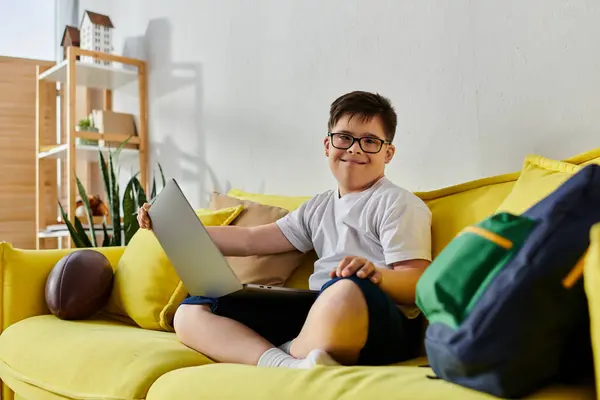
{"points": [[358, 266], [143, 218]]}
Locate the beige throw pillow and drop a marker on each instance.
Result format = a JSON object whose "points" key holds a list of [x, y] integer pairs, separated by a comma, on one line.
{"points": [[273, 270]]}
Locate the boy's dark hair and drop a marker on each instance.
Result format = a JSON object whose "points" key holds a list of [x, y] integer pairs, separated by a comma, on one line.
{"points": [[364, 105]]}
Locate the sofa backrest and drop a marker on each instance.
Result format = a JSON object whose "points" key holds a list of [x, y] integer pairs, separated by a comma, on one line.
{"points": [[456, 207]]}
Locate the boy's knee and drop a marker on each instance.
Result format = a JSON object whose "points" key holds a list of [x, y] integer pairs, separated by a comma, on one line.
{"points": [[338, 323], [348, 285], [345, 293], [186, 316], [344, 286]]}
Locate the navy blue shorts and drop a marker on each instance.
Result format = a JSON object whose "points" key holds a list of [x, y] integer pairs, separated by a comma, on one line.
{"points": [[392, 337]]}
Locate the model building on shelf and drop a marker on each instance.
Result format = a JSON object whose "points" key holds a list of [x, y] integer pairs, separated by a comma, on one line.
{"points": [[96, 35], [70, 38]]}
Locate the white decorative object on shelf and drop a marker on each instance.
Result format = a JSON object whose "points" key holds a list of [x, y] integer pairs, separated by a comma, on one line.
{"points": [[95, 34]]}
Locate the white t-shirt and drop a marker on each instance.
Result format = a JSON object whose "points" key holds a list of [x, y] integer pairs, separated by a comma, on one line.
{"points": [[384, 224]]}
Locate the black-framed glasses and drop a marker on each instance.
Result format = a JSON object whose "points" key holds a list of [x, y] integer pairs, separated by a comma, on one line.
{"points": [[368, 144]]}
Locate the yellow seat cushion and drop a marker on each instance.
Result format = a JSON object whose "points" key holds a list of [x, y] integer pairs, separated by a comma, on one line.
{"points": [[289, 203], [93, 359], [220, 381], [539, 177], [146, 287]]}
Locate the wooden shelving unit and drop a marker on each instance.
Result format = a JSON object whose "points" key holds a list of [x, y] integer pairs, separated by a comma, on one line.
{"points": [[72, 73]]}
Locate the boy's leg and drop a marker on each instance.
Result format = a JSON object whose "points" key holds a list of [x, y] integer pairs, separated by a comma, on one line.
{"points": [[245, 330], [338, 323], [354, 321], [219, 338]]}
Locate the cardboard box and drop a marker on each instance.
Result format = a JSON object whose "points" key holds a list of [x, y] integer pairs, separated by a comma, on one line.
{"points": [[115, 123], [112, 122]]}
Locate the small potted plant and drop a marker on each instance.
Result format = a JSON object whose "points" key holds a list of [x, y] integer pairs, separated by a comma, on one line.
{"points": [[86, 125]]}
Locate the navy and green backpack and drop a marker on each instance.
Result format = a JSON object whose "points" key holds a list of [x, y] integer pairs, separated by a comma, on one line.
{"points": [[507, 311]]}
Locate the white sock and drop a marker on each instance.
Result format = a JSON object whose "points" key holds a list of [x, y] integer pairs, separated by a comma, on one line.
{"points": [[286, 346], [317, 357], [275, 357]]}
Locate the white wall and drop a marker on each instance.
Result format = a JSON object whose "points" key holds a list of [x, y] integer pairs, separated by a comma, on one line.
{"points": [[240, 90], [27, 29]]}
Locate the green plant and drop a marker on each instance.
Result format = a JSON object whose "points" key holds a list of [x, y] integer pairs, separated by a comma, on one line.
{"points": [[133, 198], [85, 123]]}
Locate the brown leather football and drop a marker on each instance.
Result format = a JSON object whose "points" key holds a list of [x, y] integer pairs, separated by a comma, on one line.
{"points": [[79, 284]]}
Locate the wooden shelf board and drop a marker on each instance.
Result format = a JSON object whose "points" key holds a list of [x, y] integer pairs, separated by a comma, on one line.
{"points": [[52, 234], [57, 232], [91, 75], [107, 137], [65, 233], [84, 152]]}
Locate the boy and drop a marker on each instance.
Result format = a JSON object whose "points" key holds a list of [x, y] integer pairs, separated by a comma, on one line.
{"points": [[373, 242]]}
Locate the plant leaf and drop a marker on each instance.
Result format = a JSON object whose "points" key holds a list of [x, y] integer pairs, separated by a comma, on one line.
{"points": [[116, 204], [106, 241], [81, 232], [153, 191], [117, 152], [105, 178], [141, 193], [88, 210], [133, 197], [162, 175], [74, 236], [130, 223], [134, 193]]}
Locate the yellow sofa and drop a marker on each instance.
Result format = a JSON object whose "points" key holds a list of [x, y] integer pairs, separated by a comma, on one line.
{"points": [[42, 357]]}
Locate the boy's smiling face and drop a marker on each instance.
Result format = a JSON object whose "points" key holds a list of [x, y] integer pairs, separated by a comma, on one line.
{"points": [[354, 169]]}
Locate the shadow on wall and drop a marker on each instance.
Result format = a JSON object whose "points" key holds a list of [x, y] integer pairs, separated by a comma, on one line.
{"points": [[171, 114]]}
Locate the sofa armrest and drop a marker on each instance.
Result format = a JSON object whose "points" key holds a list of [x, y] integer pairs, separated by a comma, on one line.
{"points": [[23, 275]]}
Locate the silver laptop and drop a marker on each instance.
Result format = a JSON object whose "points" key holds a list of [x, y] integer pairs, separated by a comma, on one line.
{"points": [[197, 260]]}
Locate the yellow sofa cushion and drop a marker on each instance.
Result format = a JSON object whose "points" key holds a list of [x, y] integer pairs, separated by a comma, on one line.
{"points": [[455, 207], [289, 203], [92, 359], [325, 383], [539, 177], [221, 217], [24, 274], [146, 287]]}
